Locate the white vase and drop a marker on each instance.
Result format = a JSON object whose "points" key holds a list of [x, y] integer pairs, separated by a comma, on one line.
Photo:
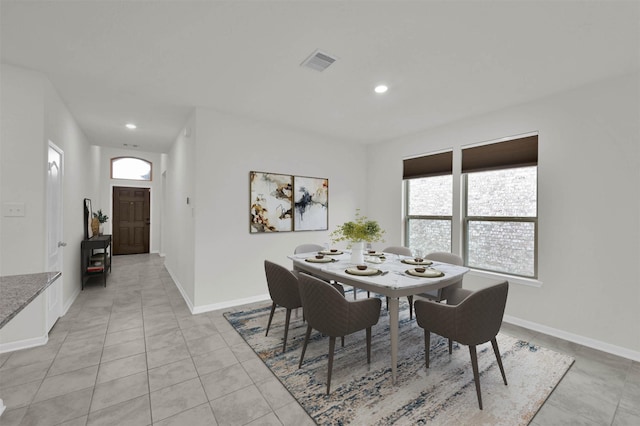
{"points": [[357, 252]]}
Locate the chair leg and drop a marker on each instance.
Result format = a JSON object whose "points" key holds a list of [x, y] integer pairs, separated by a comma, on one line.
{"points": [[450, 346], [387, 303], [342, 341], [410, 299], [427, 346], [496, 351], [332, 347], [368, 345], [368, 294], [476, 375], [286, 330], [304, 346], [273, 309]]}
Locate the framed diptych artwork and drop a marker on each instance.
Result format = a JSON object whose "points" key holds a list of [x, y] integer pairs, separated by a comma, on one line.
{"points": [[271, 196], [281, 203], [311, 204]]}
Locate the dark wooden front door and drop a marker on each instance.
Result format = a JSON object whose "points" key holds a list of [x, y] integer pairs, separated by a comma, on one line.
{"points": [[131, 220]]}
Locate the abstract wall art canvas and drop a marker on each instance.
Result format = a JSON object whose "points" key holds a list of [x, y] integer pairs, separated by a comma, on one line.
{"points": [[271, 202], [311, 203]]}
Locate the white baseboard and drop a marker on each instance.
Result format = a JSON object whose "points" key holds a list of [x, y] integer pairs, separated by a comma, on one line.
{"points": [[69, 302], [215, 306], [230, 303], [180, 289], [24, 344], [576, 338]]}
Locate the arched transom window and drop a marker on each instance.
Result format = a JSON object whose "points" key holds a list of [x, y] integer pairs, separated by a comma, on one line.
{"points": [[130, 168]]}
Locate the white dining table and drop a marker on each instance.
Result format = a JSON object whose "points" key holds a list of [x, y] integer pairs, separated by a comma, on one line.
{"points": [[392, 282]]}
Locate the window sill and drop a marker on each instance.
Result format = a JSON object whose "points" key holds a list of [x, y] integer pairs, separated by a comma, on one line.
{"points": [[531, 282]]}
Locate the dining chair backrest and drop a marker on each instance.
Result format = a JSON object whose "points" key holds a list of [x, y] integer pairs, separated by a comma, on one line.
{"points": [[479, 316], [445, 257], [402, 251], [328, 312], [325, 309], [283, 285], [307, 248]]}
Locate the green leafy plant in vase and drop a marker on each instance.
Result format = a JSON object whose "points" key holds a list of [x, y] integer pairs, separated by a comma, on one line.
{"points": [[358, 232], [97, 222]]}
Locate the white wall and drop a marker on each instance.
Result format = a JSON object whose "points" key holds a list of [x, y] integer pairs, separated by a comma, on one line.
{"points": [[178, 224], [228, 259], [589, 206], [33, 114], [105, 200], [23, 159], [80, 182]]}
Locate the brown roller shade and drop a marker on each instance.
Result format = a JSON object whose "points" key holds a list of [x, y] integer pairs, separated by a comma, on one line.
{"points": [[501, 155], [428, 165]]}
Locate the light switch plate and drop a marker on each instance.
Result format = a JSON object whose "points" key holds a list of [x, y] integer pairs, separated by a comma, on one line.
{"points": [[13, 209]]}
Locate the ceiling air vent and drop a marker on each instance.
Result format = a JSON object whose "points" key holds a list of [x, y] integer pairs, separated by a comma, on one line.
{"points": [[318, 61]]}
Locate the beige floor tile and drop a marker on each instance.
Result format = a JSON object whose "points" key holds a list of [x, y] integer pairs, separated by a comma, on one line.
{"points": [[59, 409], [240, 407], [23, 374], [64, 364], [294, 415], [275, 393], [167, 355], [221, 382], [119, 390], [175, 399], [214, 361], [122, 367], [170, 374], [124, 336], [19, 396], [122, 350], [53, 386], [134, 412], [202, 415], [206, 344]]}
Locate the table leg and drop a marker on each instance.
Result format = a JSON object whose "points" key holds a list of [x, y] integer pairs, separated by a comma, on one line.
{"points": [[393, 328]]}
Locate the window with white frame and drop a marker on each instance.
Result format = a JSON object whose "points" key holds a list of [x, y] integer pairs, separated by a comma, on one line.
{"points": [[130, 168], [501, 206], [429, 196]]}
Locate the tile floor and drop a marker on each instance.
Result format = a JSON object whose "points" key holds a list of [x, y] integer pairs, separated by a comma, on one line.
{"points": [[132, 354]]}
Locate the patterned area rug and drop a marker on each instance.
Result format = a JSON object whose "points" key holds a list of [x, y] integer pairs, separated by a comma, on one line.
{"points": [[362, 393]]}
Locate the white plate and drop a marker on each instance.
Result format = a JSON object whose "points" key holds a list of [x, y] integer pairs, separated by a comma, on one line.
{"points": [[329, 252], [366, 272], [428, 273], [413, 262], [376, 253], [316, 260]]}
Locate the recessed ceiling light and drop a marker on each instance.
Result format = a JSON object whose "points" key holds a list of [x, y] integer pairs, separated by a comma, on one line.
{"points": [[381, 88], [130, 126]]}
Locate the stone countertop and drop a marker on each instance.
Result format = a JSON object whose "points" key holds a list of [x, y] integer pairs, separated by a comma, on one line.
{"points": [[17, 291]]}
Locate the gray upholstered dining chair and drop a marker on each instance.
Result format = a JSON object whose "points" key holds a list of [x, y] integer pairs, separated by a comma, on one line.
{"points": [[442, 293], [470, 318], [283, 289], [332, 315], [308, 248]]}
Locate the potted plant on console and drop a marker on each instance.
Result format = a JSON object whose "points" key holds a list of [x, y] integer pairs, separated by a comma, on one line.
{"points": [[357, 233], [100, 218]]}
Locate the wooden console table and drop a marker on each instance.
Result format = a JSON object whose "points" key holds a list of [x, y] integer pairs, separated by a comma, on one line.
{"points": [[88, 263]]}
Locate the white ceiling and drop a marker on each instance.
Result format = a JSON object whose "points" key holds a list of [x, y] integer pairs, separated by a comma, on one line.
{"points": [[151, 62]]}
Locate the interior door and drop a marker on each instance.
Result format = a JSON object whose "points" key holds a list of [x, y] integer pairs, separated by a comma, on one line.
{"points": [[131, 220], [55, 242]]}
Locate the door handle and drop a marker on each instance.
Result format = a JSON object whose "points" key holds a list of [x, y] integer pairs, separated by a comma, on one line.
{"points": [[62, 244]]}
